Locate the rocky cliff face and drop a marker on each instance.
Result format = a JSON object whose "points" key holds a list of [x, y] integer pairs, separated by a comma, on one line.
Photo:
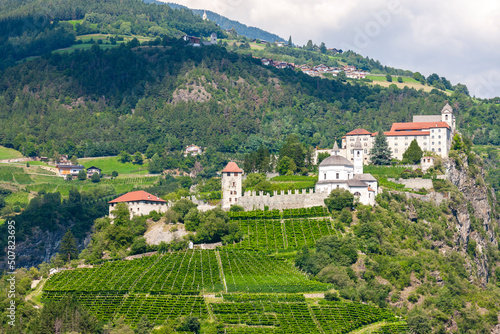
{"points": [[40, 247], [473, 212]]}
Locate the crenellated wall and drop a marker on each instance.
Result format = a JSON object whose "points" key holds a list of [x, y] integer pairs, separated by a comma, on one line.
{"points": [[280, 200]]}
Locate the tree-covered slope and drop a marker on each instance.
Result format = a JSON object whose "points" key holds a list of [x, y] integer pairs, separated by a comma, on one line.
{"points": [[226, 23], [97, 102]]}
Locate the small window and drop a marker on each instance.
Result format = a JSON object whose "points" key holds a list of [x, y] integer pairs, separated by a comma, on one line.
{"points": [[432, 137], [446, 117], [235, 192], [236, 200], [432, 143], [324, 176], [439, 137], [439, 143], [234, 184], [337, 176], [358, 153], [228, 174], [231, 192], [396, 151], [357, 193], [439, 149], [230, 199], [235, 174], [366, 151], [338, 186]]}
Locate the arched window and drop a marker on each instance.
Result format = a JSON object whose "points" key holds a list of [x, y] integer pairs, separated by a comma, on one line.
{"points": [[439, 149], [357, 193], [337, 175], [325, 176], [446, 117], [358, 153], [396, 150]]}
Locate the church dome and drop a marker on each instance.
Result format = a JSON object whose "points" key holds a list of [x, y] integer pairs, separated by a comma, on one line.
{"points": [[335, 160]]}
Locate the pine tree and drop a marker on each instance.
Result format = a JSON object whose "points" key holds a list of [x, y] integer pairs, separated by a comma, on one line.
{"points": [[380, 153], [68, 247], [290, 40], [413, 154]]}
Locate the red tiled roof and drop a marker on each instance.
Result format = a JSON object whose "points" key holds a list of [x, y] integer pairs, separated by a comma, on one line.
{"points": [[418, 126], [406, 133], [136, 196], [358, 132], [232, 167]]}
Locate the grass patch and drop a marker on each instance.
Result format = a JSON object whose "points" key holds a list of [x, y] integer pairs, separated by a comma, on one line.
{"points": [[384, 171], [18, 198], [9, 153], [23, 178], [2, 221], [110, 164]]}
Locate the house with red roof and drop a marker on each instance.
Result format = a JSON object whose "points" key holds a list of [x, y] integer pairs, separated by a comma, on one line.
{"points": [[433, 133], [139, 203]]}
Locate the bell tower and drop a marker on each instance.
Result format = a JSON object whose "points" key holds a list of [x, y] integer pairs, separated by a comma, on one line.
{"points": [[358, 157]]}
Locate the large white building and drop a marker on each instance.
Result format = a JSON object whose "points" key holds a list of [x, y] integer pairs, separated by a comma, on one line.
{"points": [[336, 172], [433, 133]]}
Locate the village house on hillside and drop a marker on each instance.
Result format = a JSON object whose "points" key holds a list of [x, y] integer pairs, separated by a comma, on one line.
{"points": [[68, 169], [93, 170], [433, 133], [139, 203], [192, 150]]}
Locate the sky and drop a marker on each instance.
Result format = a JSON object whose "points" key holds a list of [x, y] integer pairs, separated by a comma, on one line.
{"points": [[457, 39]]}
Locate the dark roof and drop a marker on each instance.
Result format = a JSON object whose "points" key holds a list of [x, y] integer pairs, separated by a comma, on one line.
{"points": [[335, 160], [356, 183], [71, 166], [93, 167], [364, 177]]}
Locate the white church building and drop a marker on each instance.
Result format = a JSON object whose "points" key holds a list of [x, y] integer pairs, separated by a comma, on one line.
{"points": [[336, 172]]}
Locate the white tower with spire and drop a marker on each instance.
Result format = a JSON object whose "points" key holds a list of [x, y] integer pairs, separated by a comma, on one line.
{"points": [[358, 157], [448, 117], [205, 18]]}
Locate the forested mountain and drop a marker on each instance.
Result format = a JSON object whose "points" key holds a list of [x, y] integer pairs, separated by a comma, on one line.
{"points": [[97, 102], [33, 27], [225, 23]]}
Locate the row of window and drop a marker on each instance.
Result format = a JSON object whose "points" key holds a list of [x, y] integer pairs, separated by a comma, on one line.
{"points": [[230, 200], [233, 192]]}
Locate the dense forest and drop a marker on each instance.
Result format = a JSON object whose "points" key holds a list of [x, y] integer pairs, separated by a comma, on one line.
{"points": [[33, 28], [101, 102]]}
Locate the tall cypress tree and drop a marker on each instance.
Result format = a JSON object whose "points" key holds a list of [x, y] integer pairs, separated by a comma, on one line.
{"points": [[68, 247], [413, 154], [380, 153]]}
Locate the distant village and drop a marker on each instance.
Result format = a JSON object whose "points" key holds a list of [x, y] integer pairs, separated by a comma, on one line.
{"points": [[350, 70]]}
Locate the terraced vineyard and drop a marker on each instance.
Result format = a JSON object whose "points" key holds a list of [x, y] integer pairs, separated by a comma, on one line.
{"points": [[273, 235], [260, 293], [296, 316], [254, 272], [158, 308], [187, 272]]}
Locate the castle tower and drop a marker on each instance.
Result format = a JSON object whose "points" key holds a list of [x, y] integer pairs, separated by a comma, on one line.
{"points": [[447, 116], [213, 38], [231, 184], [205, 16], [358, 157]]}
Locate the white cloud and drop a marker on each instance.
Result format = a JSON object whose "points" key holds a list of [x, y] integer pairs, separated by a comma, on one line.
{"points": [[457, 39]]}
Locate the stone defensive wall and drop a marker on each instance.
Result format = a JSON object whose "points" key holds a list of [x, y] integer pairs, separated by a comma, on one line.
{"points": [[291, 199]]}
